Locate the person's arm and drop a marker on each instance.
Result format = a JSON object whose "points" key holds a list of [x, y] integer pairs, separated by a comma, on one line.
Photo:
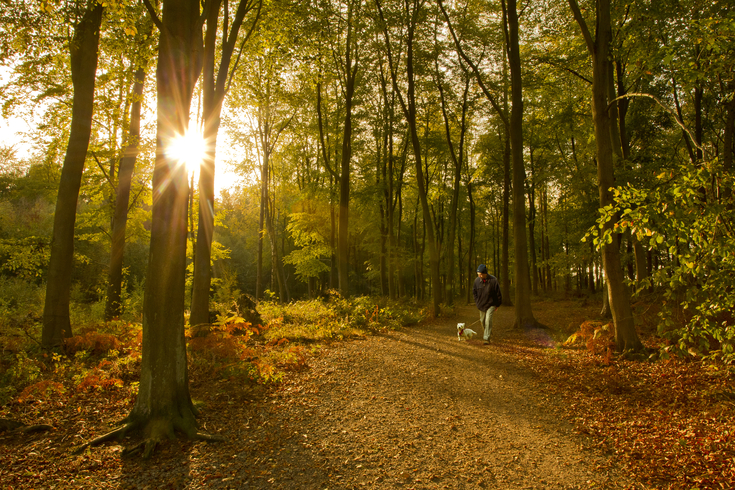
{"points": [[499, 295]]}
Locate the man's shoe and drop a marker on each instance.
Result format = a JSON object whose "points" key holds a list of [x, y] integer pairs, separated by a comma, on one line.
{"points": [[485, 342]]}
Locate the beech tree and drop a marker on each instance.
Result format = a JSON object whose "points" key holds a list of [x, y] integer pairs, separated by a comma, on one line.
{"points": [[215, 88], [83, 59], [164, 405], [524, 312]]}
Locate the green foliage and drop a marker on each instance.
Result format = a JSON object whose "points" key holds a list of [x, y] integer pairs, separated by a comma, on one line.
{"points": [[307, 231], [680, 218], [336, 318], [21, 302]]}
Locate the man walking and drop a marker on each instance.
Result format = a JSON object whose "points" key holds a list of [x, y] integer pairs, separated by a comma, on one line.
{"points": [[486, 291]]}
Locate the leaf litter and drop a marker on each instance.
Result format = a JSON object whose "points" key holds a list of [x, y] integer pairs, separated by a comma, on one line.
{"points": [[412, 408]]}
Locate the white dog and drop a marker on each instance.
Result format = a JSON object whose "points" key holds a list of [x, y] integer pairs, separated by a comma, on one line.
{"points": [[464, 333]]}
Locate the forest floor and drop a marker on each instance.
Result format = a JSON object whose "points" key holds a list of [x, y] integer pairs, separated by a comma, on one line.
{"points": [[416, 408]]}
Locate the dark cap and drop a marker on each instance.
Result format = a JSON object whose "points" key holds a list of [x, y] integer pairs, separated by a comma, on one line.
{"points": [[482, 269]]}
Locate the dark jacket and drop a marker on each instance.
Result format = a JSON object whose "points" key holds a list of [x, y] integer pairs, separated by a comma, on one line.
{"points": [[487, 293]]}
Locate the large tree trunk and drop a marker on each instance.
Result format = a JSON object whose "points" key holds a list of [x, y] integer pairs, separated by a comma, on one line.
{"points": [[524, 312], [626, 337], [164, 404], [84, 52], [113, 306]]}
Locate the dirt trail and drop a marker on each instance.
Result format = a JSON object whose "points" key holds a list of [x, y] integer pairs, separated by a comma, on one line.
{"points": [[412, 408], [418, 409]]}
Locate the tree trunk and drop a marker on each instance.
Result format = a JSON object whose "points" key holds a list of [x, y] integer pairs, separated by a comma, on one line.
{"points": [[626, 337], [409, 110], [471, 272], [84, 53], [277, 264], [164, 405], [727, 146], [344, 180], [213, 96], [113, 306], [524, 312], [532, 225], [201, 279], [457, 160]]}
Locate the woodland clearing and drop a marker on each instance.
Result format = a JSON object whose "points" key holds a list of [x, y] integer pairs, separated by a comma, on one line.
{"points": [[414, 408]]}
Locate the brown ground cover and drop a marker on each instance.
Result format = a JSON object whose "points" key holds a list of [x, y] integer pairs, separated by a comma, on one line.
{"points": [[414, 408]]}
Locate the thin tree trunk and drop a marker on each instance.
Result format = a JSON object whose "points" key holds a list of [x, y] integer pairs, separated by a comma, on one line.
{"points": [[457, 160], [113, 305], [344, 180], [532, 225], [261, 231], [214, 91], [409, 109], [471, 253], [84, 55]]}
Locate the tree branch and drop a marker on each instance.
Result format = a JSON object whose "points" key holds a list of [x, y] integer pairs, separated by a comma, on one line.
{"points": [[583, 26], [474, 67], [658, 101], [153, 14], [99, 164]]}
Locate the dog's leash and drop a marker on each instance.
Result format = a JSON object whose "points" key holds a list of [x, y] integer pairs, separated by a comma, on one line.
{"points": [[478, 321]]}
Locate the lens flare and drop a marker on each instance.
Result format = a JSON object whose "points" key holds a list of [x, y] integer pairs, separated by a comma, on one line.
{"points": [[188, 149]]}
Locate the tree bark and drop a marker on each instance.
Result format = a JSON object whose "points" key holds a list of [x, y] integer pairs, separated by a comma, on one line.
{"points": [[84, 55]]}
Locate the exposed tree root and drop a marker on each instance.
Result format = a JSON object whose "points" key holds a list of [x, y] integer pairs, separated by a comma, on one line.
{"points": [[201, 436], [155, 431], [16, 426], [35, 428], [132, 450], [116, 434]]}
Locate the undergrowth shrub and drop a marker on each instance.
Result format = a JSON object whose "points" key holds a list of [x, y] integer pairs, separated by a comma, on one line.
{"points": [[43, 390], [676, 218], [337, 317], [597, 337], [230, 351], [97, 343]]}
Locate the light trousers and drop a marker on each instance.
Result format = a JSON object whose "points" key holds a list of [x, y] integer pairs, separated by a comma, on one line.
{"points": [[486, 319]]}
